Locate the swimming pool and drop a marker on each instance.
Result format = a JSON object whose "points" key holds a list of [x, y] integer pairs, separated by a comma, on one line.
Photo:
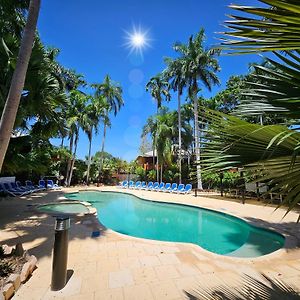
{"points": [[216, 232]]}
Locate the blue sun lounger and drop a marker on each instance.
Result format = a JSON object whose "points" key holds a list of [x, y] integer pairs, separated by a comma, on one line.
{"points": [[24, 188], [173, 188], [167, 187], [11, 191], [138, 184], [123, 184], [149, 186], [186, 190], [32, 186], [160, 187], [180, 188], [155, 186], [144, 185], [131, 184]]}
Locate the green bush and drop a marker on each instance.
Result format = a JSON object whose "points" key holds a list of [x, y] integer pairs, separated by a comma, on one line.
{"points": [[141, 173], [212, 180], [151, 175]]}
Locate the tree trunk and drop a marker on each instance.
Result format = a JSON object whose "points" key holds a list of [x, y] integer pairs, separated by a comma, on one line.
{"points": [[157, 166], [161, 172], [89, 161], [197, 144], [69, 159], [179, 136], [102, 152], [73, 158], [17, 83]]}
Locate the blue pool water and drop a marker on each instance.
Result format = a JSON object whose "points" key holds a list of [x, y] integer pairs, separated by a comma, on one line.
{"points": [[216, 232]]}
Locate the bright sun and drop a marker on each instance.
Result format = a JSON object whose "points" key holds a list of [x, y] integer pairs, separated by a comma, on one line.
{"points": [[137, 40]]}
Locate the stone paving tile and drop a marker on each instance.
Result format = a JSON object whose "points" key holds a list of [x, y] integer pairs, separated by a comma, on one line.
{"points": [[187, 257], [25, 292], [187, 270], [72, 288], [206, 267], [286, 270], [112, 294], [199, 256], [144, 275], [149, 261], [116, 252], [186, 283], [166, 272], [136, 252], [108, 265], [120, 279], [85, 269], [294, 282], [153, 249], [165, 290], [94, 282], [168, 259], [294, 264], [129, 262], [87, 296], [138, 292], [169, 249]]}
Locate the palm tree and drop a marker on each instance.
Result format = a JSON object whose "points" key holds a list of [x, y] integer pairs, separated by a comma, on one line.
{"points": [[159, 89], [270, 152], [173, 72], [95, 113], [198, 65], [17, 83], [112, 94], [164, 135], [76, 121]]}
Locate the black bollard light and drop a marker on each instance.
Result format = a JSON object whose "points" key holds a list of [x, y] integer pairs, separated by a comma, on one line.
{"points": [[60, 253]]}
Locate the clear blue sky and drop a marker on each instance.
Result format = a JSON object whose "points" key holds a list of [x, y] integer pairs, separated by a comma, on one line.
{"points": [[91, 37]]}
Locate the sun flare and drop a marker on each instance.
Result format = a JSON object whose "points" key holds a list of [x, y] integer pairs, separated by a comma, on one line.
{"points": [[137, 40]]}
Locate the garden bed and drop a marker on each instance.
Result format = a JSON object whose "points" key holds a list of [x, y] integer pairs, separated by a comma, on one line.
{"points": [[16, 265]]}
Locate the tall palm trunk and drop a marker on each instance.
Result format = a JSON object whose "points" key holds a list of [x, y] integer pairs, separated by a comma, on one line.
{"points": [[179, 135], [157, 166], [17, 83], [196, 134], [89, 159], [69, 159], [73, 158], [102, 151]]}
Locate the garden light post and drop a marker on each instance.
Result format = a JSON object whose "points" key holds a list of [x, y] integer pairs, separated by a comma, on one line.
{"points": [[60, 253]]}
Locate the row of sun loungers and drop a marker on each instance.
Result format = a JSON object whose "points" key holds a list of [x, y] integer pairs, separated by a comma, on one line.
{"points": [[156, 186], [17, 189]]}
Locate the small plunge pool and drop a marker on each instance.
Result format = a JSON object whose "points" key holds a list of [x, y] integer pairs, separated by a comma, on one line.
{"points": [[214, 231], [63, 208]]}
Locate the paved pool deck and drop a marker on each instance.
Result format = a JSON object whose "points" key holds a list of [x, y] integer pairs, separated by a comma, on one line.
{"points": [[115, 266]]}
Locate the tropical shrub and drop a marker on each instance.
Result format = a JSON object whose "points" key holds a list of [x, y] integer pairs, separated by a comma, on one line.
{"points": [[151, 175]]}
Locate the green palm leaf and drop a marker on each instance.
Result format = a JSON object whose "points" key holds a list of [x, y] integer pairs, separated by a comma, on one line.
{"points": [[272, 28], [270, 153]]}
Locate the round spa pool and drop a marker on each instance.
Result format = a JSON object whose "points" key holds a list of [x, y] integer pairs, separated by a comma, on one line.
{"points": [[214, 231], [63, 208]]}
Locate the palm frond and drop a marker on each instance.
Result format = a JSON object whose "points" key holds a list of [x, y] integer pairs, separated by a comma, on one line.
{"points": [[270, 153], [274, 27]]}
